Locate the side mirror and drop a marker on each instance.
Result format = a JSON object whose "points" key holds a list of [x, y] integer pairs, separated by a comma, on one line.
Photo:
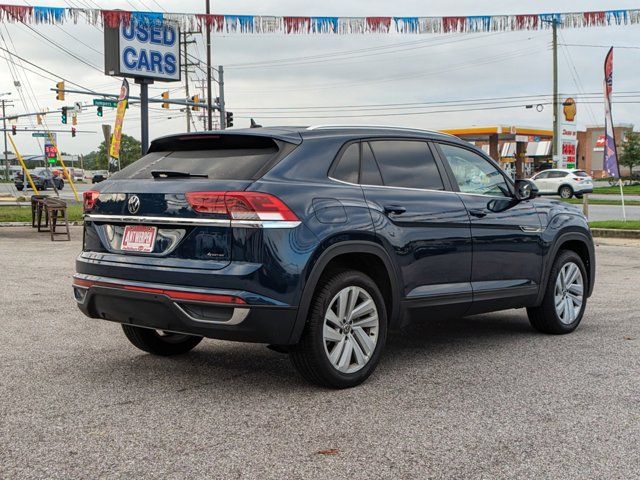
{"points": [[525, 190]]}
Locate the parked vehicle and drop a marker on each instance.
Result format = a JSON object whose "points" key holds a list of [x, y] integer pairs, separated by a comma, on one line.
{"points": [[563, 182], [78, 174], [42, 179], [318, 240], [99, 176]]}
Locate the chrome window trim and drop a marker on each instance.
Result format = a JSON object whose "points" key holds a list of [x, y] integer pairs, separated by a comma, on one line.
{"points": [[418, 189], [138, 219]]}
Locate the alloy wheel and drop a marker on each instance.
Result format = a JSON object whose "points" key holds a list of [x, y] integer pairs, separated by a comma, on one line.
{"points": [[568, 293], [350, 329]]}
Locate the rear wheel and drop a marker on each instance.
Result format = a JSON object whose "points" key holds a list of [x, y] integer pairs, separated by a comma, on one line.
{"points": [[345, 333], [565, 191], [160, 343], [564, 301]]}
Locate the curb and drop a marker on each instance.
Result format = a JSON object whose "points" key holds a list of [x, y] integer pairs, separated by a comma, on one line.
{"points": [[615, 233], [28, 224]]}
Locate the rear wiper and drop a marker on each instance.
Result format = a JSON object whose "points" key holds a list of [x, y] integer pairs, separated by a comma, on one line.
{"points": [[174, 174]]}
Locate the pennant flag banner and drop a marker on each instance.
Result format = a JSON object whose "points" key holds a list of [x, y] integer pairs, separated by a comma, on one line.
{"points": [[261, 24]]}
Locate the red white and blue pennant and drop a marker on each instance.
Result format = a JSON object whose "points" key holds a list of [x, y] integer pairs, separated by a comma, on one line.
{"points": [[261, 24]]}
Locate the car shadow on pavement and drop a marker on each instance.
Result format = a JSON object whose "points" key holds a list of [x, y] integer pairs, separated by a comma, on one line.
{"points": [[241, 365]]}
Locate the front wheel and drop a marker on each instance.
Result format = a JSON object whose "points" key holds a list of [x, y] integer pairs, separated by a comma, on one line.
{"points": [[159, 342], [564, 300], [345, 332], [565, 192]]}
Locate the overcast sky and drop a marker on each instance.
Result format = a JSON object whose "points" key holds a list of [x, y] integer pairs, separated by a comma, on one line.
{"points": [[310, 73]]}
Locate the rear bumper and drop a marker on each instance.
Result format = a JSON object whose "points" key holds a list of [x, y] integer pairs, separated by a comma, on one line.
{"points": [[220, 314]]}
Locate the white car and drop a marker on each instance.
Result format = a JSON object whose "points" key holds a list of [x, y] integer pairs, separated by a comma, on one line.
{"points": [[564, 182]]}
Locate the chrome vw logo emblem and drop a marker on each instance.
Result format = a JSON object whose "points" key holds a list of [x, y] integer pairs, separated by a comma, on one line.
{"points": [[134, 204]]}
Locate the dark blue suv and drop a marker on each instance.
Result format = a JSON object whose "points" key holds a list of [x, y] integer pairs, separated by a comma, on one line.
{"points": [[318, 240]]}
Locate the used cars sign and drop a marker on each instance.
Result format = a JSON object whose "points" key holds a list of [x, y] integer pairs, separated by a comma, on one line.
{"points": [[142, 50]]}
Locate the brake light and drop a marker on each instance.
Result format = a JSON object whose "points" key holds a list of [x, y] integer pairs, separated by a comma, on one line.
{"points": [[89, 199], [241, 205]]}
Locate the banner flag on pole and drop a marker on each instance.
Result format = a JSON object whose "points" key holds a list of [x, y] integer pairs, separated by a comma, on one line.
{"points": [[114, 149], [610, 162]]}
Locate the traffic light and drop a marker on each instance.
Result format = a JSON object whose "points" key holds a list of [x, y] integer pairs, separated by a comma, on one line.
{"points": [[39, 119], [73, 131], [229, 116], [60, 91], [99, 111], [13, 129], [64, 115], [165, 96], [74, 119], [195, 99]]}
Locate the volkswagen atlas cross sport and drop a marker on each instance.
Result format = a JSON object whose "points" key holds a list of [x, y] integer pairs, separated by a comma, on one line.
{"points": [[318, 240]]}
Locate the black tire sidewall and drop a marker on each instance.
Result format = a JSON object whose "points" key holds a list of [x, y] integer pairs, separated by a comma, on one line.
{"points": [[316, 324]]}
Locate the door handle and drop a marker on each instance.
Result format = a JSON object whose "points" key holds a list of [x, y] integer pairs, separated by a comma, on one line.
{"points": [[476, 212], [395, 209]]}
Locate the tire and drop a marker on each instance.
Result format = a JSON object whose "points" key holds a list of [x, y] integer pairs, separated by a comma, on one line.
{"points": [[20, 188], [579, 196], [546, 318], [358, 346], [164, 344], [565, 191]]}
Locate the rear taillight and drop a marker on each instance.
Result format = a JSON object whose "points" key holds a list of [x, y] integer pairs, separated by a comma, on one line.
{"points": [[89, 199], [241, 205]]}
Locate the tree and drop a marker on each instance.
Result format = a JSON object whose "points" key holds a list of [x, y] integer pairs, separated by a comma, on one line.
{"points": [[631, 155], [130, 151]]}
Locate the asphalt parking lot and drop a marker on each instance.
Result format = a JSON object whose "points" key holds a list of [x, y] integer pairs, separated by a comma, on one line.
{"points": [[482, 397]]}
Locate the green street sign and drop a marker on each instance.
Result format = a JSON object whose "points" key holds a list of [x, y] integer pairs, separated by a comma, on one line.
{"points": [[40, 134], [101, 102]]}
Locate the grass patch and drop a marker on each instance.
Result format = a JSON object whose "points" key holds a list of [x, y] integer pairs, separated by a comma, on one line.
{"points": [[15, 213], [602, 201], [617, 224], [615, 190]]}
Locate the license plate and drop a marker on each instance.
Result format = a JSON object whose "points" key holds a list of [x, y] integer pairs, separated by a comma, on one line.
{"points": [[138, 238]]}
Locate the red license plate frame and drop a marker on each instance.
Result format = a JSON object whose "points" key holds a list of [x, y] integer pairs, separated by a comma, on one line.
{"points": [[139, 238]]}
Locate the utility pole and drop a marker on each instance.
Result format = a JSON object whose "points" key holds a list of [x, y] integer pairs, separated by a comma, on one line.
{"points": [[187, 64], [556, 123], [223, 113], [4, 127], [186, 78], [209, 90]]}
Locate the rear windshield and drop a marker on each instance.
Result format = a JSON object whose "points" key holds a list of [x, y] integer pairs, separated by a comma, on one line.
{"points": [[580, 173], [230, 164]]}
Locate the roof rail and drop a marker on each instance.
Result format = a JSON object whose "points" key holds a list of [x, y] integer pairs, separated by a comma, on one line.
{"points": [[386, 127]]}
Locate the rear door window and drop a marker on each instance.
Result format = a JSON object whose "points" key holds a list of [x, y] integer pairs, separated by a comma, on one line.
{"points": [[349, 164], [557, 174], [408, 164], [369, 171], [580, 173]]}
